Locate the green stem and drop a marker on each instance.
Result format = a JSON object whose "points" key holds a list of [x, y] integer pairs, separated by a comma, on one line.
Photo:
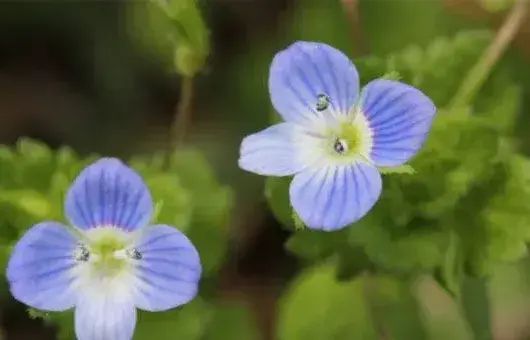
{"points": [[475, 302], [182, 119], [480, 72]]}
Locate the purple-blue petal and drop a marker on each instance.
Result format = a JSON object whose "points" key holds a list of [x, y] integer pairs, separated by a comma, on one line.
{"points": [[333, 197], [272, 152], [39, 271], [105, 317], [169, 271], [400, 117], [305, 70], [109, 193]]}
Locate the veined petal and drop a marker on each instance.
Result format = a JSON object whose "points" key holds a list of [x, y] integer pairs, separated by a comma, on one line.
{"points": [[103, 316], [400, 117], [280, 150], [334, 197], [109, 193], [305, 70], [169, 271], [40, 269]]}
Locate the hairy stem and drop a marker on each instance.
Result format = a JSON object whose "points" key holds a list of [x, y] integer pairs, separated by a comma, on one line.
{"points": [[480, 72]]}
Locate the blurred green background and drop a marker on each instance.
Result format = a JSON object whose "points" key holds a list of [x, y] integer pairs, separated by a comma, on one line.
{"points": [[442, 256]]}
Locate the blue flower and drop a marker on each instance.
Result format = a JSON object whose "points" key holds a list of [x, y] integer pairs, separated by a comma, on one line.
{"points": [[110, 263], [334, 138]]}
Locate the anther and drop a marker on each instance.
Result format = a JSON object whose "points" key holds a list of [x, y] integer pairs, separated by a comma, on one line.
{"points": [[133, 253], [322, 102], [81, 253], [340, 146]]}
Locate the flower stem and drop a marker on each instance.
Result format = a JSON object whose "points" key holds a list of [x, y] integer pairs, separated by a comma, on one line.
{"points": [[181, 120], [480, 72]]}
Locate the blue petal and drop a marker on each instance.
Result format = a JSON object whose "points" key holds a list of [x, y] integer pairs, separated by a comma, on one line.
{"points": [[275, 151], [332, 198], [109, 193], [103, 317], [303, 71], [170, 269], [39, 270], [400, 117]]}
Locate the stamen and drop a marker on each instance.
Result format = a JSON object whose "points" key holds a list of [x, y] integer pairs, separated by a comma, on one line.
{"points": [[322, 102], [81, 253], [134, 254], [340, 146], [130, 253]]}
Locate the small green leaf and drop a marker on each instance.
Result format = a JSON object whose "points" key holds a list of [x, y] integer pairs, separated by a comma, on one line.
{"points": [[298, 223], [476, 305], [211, 206], [495, 6], [391, 75], [277, 195], [315, 245], [156, 213], [30, 201], [193, 44], [317, 307], [451, 273], [37, 314], [235, 321], [400, 169]]}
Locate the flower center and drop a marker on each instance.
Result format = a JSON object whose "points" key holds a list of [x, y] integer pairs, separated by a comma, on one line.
{"points": [[107, 250], [348, 139]]}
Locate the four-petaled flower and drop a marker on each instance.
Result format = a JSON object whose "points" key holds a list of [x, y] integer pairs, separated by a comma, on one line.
{"points": [[334, 139], [111, 262]]}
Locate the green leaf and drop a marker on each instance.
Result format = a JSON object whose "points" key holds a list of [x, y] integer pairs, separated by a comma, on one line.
{"points": [[400, 169], [235, 321], [476, 306], [394, 308], [184, 323], [277, 195], [37, 314], [211, 202], [317, 307], [315, 245], [29, 201], [436, 69], [193, 45], [495, 6], [450, 274]]}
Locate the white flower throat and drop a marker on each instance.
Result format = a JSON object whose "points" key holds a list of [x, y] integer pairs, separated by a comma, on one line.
{"points": [[107, 250], [349, 137]]}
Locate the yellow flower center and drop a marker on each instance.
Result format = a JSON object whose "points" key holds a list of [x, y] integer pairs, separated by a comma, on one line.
{"points": [[106, 250]]}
